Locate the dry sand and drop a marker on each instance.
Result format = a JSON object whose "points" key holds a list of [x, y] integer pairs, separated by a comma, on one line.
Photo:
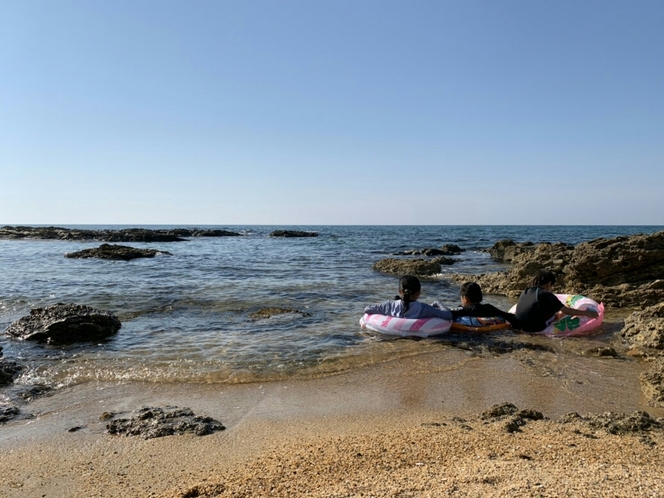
{"points": [[409, 428]]}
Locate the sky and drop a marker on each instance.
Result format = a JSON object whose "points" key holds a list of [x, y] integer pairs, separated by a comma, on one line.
{"points": [[313, 112]]}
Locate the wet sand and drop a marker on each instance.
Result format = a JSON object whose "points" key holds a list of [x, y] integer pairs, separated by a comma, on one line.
{"points": [[399, 428]]}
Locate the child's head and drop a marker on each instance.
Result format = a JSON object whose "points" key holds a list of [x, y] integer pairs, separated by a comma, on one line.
{"points": [[409, 289], [471, 293], [543, 277]]}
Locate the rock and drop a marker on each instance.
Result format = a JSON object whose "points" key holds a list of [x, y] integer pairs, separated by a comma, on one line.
{"points": [[123, 235], [451, 249], [292, 233], [446, 250], [270, 312], [8, 371], [616, 423], [64, 323], [652, 383], [517, 418], [621, 272], [601, 351], [420, 267], [115, 252], [444, 260], [152, 422], [8, 412], [497, 411], [645, 328], [504, 250]]}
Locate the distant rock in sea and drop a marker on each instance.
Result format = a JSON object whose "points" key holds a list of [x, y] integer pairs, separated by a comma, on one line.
{"points": [[292, 233], [115, 252], [122, 235]]}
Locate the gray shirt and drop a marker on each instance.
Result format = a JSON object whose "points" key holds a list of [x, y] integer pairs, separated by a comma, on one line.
{"points": [[415, 310]]}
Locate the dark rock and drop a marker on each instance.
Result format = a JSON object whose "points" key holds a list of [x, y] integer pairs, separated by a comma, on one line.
{"points": [[64, 323], [504, 250], [451, 250], [645, 328], [152, 422], [621, 272], [499, 411], [420, 267], [514, 424], [270, 312], [8, 371], [30, 393], [7, 412], [444, 260], [123, 235], [652, 383], [292, 233], [620, 423], [530, 414], [115, 252]]}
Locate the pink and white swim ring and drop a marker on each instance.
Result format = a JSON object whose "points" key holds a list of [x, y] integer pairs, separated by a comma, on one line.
{"points": [[573, 325], [405, 327]]}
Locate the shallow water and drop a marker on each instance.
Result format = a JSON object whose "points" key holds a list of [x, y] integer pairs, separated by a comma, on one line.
{"points": [[186, 317]]}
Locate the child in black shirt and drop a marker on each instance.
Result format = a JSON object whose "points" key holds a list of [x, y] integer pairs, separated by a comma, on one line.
{"points": [[471, 305]]}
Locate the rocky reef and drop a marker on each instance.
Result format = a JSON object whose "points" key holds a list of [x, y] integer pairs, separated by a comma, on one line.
{"points": [[292, 233], [115, 252], [622, 272], [122, 235], [64, 324], [420, 267]]}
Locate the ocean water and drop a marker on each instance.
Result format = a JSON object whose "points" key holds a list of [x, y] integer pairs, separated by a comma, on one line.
{"points": [[187, 317]]}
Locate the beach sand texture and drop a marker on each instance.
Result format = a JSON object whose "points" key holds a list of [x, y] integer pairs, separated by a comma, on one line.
{"points": [[406, 428]]}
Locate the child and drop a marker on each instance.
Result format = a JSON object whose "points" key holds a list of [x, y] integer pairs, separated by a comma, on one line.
{"points": [[471, 305], [538, 307], [405, 305]]}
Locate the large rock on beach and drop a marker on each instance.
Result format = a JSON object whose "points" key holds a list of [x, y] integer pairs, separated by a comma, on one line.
{"points": [[115, 252], [292, 233], [152, 422], [624, 271], [652, 383], [122, 235], [64, 324], [420, 267], [645, 328]]}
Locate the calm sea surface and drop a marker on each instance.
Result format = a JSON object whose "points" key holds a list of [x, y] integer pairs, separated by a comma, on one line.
{"points": [[186, 317]]}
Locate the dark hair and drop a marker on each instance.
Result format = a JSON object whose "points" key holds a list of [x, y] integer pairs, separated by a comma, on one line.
{"points": [[543, 277], [408, 285], [472, 291]]}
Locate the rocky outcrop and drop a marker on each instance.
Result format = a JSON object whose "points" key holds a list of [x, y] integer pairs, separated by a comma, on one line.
{"points": [[504, 250], [617, 423], [652, 383], [419, 267], [446, 250], [152, 422], [115, 252], [123, 235], [292, 233], [645, 328], [622, 272], [63, 324]]}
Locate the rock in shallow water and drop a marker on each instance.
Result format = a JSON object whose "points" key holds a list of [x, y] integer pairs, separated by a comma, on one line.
{"points": [[292, 233], [645, 328], [115, 252], [64, 324], [152, 422], [420, 267]]}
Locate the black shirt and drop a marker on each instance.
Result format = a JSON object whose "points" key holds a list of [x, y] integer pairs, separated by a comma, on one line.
{"points": [[535, 307]]}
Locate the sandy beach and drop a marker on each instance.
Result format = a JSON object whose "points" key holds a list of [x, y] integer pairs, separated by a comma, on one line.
{"points": [[410, 427]]}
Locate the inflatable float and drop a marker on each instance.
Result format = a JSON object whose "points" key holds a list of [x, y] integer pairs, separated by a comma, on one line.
{"points": [[573, 325], [405, 327], [479, 324]]}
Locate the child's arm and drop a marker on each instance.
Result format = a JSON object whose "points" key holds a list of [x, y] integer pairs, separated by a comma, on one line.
{"points": [[383, 308], [574, 312]]}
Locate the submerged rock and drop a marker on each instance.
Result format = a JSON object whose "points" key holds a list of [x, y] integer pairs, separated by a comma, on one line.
{"points": [[270, 312], [122, 235], [8, 371], [115, 252], [8, 412], [292, 233], [624, 271], [420, 267], [64, 323], [446, 250], [645, 328], [152, 422]]}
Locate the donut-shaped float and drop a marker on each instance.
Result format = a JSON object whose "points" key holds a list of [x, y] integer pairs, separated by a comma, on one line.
{"points": [[479, 324], [405, 327], [573, 325]]}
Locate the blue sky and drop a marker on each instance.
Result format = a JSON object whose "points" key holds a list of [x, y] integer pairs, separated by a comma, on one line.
{"points": [[332, 112]]}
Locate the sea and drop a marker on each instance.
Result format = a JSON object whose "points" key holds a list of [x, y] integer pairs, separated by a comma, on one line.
{"points": [[188, 317]]}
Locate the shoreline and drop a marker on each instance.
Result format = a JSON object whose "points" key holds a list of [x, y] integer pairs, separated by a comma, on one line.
{"points": [[386, 404]]}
